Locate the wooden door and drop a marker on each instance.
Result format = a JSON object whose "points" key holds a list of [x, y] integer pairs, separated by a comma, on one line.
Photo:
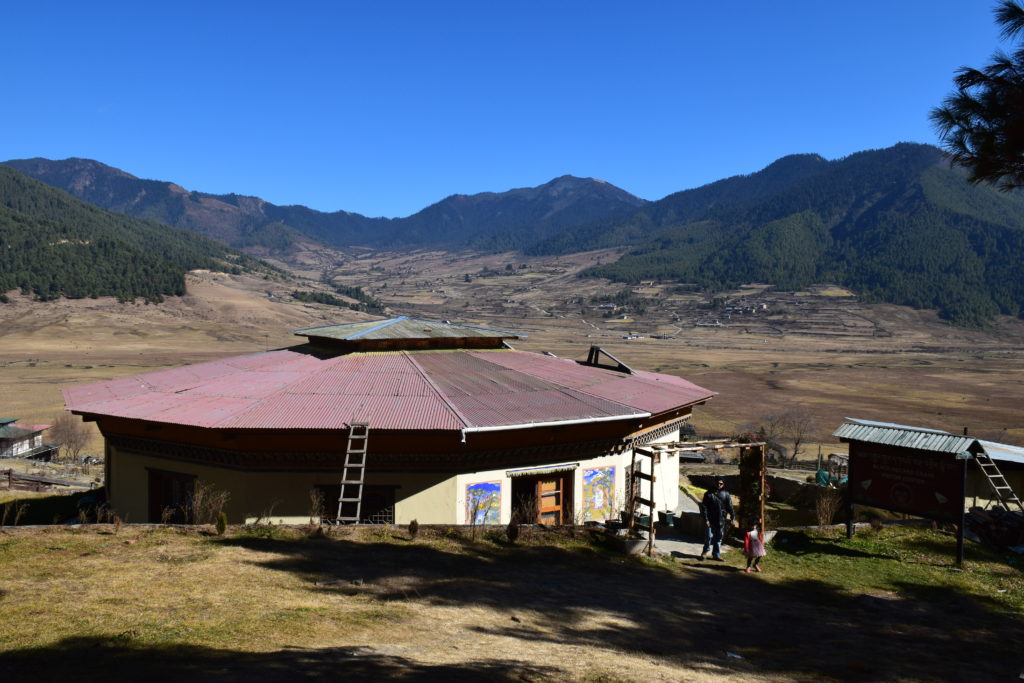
{"points": [[551, 500]]}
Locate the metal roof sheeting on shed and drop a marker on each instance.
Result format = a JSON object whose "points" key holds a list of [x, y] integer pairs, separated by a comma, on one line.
{"points": [[925, 439], [1003, 452], [904, 436], [407, 390]]}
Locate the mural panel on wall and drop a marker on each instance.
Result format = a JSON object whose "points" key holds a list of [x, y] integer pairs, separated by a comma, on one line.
{"points": [[483, 503], [598, 493]]}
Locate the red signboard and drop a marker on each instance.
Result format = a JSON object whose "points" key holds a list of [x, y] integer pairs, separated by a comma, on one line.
{"points": [[922, 483]]}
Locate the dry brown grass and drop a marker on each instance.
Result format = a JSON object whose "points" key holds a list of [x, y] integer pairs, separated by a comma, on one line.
{"points": [[151, 589], [162, 604]]}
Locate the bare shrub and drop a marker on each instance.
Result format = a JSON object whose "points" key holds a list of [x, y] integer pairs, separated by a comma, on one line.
{"points": [[316, 506], [70, 434], [795, 425], [207, 503], [828, 504], [265, 518], [526, 510]]}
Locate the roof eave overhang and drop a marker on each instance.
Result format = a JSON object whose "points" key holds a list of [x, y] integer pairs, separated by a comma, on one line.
{"points": [[551, 423]]}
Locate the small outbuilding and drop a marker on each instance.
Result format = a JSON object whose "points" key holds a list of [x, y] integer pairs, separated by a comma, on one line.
{"points": [[438, 422], [916, 469], [19, 440], [928, 472]]}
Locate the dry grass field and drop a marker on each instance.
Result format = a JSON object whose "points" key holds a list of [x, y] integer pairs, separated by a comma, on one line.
{"points": [[273, 604]]}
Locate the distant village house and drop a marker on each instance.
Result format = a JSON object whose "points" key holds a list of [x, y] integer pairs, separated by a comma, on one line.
{"points": [[19, 440]]}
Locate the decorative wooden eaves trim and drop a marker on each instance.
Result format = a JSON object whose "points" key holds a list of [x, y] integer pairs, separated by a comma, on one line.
{"points": [[658, 432]]}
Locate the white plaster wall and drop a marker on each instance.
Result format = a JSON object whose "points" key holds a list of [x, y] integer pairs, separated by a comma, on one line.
{"points": [[427, 498]]}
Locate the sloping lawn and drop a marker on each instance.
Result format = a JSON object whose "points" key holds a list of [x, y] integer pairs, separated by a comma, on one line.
{"points": [[141, 603]]}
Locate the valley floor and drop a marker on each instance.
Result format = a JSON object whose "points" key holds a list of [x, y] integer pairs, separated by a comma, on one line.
{"points": [[828, 354]]}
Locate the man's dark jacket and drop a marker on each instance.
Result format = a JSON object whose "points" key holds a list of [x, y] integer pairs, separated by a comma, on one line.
{"points": [[715, 506]]}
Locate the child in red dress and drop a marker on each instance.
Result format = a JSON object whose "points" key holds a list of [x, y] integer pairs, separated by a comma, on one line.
{"points": [[753, 548]]}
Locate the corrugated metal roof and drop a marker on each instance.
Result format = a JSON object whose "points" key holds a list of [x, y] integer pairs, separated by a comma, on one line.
{"points": [[923, 438], [1003, 452], [13, 431], [402, 327], [648, 391], [905, 436], [426, 390], [32, 427]]}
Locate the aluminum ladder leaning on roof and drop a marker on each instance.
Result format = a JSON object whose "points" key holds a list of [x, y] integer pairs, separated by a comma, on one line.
{"points": [[350, 495], [1004, 492]]}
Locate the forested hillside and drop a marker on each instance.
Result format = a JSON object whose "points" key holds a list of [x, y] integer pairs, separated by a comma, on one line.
{"points": [[52, 244], [895, 225]]}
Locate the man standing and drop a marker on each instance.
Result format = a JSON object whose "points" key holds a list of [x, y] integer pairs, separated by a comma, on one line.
{"points": [[717, 503]]}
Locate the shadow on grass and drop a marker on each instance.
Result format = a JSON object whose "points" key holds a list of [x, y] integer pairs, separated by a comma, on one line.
{"points": [[114, 659], [800, 543], [56, 509], [799, 629]]}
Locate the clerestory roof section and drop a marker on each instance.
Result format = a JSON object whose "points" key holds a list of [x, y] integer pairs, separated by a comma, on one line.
{"points": [[402, 328], [402, 390]]}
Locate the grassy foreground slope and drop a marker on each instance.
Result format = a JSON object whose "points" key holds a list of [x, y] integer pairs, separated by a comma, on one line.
{"points": [[161, 604]]}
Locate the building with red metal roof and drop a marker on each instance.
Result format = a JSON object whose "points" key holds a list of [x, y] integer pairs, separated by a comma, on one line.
{"points": [[458, 427]]}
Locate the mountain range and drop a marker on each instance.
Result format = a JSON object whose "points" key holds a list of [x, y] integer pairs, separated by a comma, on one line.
{"points": [[489, 220], [897, 225]]}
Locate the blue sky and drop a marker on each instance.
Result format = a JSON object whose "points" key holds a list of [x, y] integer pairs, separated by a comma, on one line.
{"points": [[384, 108]]}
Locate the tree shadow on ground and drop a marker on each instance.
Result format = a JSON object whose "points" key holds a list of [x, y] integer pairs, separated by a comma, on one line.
{"points": [[115, 659], [799, 629], [799, 543]]}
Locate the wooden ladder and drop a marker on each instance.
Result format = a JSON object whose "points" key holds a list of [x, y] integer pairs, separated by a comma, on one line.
{"points": [[637, 499], [1004, 492], [350, 497]]}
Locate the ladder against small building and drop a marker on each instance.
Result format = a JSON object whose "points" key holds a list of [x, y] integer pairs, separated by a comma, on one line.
{"points": [[1000, 486], [350, 499]]}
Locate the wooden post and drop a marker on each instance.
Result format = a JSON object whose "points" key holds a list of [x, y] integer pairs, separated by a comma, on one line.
{"points": [[752, 485], [631, 497], [654, 514], [963, 516], [849, 492], [764, 497]]}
